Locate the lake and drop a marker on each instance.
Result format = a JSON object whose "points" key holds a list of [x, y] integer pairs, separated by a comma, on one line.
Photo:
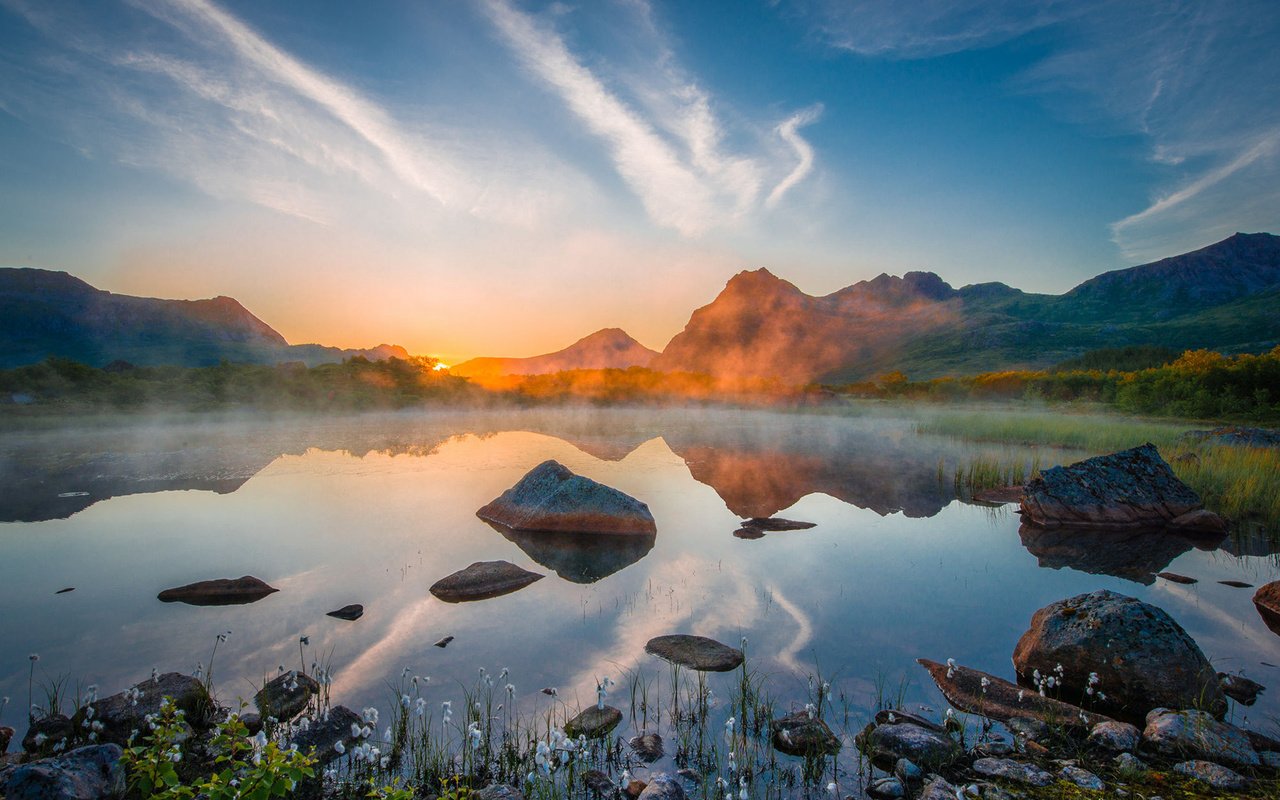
{"points": [[373, 509]]}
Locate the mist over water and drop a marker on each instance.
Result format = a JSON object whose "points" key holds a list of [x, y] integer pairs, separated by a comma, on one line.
{"points": [[373, 509]]}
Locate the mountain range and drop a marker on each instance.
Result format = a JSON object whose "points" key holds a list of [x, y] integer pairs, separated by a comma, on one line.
{"points": [[1224, 297], [44, 313]]}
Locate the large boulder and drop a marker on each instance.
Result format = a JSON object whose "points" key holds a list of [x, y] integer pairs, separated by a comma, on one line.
{"points": [[695, 652], [551, 498], [87, 773], [1133, 488], [1196, 735], [1141, 657], [122, 714], [594, 722], [482, 580], [219, 592], [926, 746]]}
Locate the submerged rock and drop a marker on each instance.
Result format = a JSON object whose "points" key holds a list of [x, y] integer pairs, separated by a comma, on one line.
{"points": [[1142, 658], [1216, 775], [350, 613], [663, 787], [219, 592], [593, 722], [799, 734], [122, 714], [1239, 688], [1001, 700], [286, 696], [551, 498], [87, 773], [1197, 735], [482, 580], [647, 747], [1133, 488], [695, 652]]}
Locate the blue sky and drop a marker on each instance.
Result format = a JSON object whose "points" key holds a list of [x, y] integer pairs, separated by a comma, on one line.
{"points": [[503, 177]]}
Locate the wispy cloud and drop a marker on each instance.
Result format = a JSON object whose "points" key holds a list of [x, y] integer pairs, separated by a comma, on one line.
{"points": [[1197, 80], [788, 130], [672, 158]]}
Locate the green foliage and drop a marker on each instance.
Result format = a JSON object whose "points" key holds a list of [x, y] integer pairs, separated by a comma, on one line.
{"points": [[245, 768], [1123, 359]]}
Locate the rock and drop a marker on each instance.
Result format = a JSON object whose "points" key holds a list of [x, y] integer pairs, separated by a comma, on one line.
{"points": [[498, 791], [634, 789], [937, 789], [219, 592], [252, 721], [1199, 521], [691, 777], [1082, 778], [1130, 764], [325, 732], [1237, 584], [992, 750], [1143, 659], [1219, 777], [443, 643], [1002, 700], [647, 747], [1176, 578], [64, 591], [1262, 742], [1115, 737], [286, 696], [886, 789], [1197, 735], [906, 771], [799, 734], [893, 716], [551, 498], [122, 714], [695, 652], [87, 773], [1133, 488], [350, 613], [1000, 495], [886, 744], [1239, 688], [482, 580], [1270, 759], [593, 722], [6, 736], [598, 782], [1235, 435], [776, 524], [45, 733], [662, 787], [1029, 729], [1010, 770], [749, 533], [1267, 601]]}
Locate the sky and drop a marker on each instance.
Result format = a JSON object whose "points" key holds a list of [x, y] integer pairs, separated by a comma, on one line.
{"points": [[502, 177]]}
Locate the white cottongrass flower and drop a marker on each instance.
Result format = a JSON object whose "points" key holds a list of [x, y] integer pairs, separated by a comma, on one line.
{"points": [[339, 747], [371, 715]]}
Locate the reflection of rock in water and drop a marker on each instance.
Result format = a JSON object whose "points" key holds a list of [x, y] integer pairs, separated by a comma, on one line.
{"points": [[1255, 540], [1133, 555], [581, 557]]}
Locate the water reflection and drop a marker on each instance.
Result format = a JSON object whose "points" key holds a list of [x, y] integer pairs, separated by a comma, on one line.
{"points": [[1129, 554], [580, 557]]}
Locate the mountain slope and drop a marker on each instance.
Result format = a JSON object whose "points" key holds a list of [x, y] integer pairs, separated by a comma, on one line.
{"points": [[45, 313], [610, 348], [1223, 297]]}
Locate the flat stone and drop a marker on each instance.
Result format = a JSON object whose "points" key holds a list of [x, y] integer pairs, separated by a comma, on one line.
{"points": [[286, 696], [1115, 737], [1142, 657], [593, 722], [1010, 770], [886, 789], [1199, 736], [695, 652], [1176, 578], [482, 580], [350, 613], [219, 592], [551, 498], [799, 734], [663, 786], [87, 773], [749, 533], [905, 770], [1216, 775], [1082, 778], [1128, 762], [887, 743], [1237, 584], [1002, 700], [776, 524], [647, 747], [122, 714], [938, 789], [321, 735]]}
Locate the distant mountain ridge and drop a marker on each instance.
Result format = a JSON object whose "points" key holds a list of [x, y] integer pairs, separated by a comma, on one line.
{"points": [[610, 348], [45, 313], [1224, 297]]}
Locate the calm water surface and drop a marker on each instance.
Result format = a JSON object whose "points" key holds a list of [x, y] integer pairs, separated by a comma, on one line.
{"points": [[374, 509]]}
